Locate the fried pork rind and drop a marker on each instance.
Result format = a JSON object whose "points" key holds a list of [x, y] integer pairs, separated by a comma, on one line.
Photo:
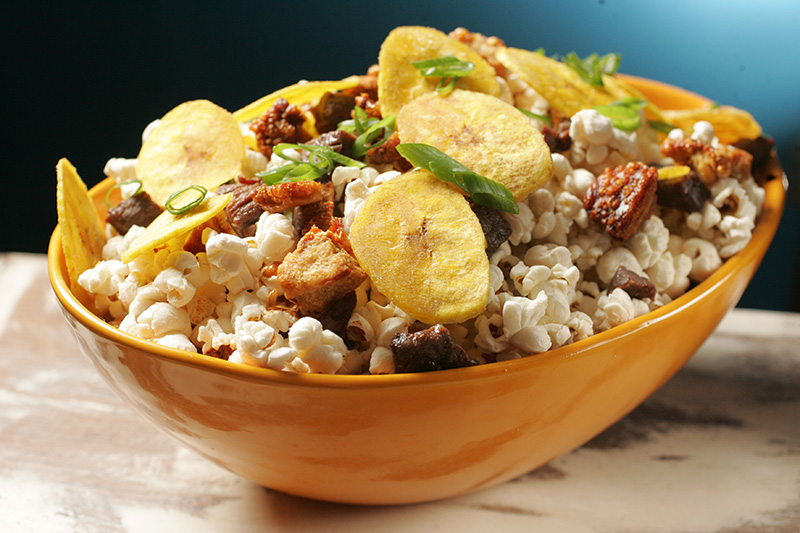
{"points": [[196, 143], [482, 133], [562, 87], [168, 227], [730, 123], [82, 232], [423, 247], [399, 81]]}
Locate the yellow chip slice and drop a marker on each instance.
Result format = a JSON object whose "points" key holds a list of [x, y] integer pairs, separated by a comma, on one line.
{"points": [[167, 226], [730, 123], [399, 81], [82, 232], [197, 143], [483, 133]]}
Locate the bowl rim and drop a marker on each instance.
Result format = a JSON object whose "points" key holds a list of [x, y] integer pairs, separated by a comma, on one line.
{"points": [[775, 195]]}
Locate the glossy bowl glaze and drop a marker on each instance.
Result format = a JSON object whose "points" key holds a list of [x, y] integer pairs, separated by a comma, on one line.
{"points": [[412, 437]]}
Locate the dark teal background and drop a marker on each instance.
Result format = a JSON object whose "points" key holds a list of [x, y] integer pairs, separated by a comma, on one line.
{"points": [[82, 80]]}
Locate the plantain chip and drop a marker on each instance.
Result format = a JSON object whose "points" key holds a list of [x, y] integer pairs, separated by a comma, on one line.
{"points": [[196, 143], [483, 133], [730, 123], [167, 227], [562, 87], [82, 232], [399, 81]]}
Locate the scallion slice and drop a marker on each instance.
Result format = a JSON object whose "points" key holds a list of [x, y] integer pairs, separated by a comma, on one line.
{"points": [[449, 68], [624, 114], [481, 189], [173, 199], [592, 68], [546, 119], [119, 185], [320, 162]]}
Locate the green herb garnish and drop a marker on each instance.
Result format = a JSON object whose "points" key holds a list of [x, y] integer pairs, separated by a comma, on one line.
{"points": [[371, 132], [320, 162], [663, 127], [118, 185], [593, 67], [170, 206], [449, 68], [482, 190], [624, 114], [546, 119]]}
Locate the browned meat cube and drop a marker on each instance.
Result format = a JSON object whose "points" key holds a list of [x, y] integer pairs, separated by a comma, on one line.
{"points": [[635, 285], [139, 210], [283, 196], [243, 212], [711, 163], [319, 214], [320, 270], [281, 123], [622, 198], [428, 350]]}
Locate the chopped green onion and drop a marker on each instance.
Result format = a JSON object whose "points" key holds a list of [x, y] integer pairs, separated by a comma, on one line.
{"points": [[119, 185], [321, 162], [663, 127], [547, 119], [593, 67], [449, 68], [377, 134], [624, 114], [482, 190], [169, 205]]}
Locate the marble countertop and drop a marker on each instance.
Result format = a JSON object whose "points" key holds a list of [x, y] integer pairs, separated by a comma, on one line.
{"points": [[716, 449]]}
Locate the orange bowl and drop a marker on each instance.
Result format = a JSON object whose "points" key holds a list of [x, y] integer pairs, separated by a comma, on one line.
{"points": [[405, 438]]}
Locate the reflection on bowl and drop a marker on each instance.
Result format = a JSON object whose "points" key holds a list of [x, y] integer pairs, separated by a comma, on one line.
{"points": [[412, 437]]}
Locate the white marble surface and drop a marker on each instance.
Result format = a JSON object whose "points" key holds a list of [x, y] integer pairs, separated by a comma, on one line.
{"points": [[717, 449]]}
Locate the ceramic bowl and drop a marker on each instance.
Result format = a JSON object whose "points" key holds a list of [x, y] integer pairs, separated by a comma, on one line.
{"points": [[412, 437]]}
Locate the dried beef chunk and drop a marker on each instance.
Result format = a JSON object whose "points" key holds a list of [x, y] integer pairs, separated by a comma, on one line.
{"points": [[340, 141], [622, 198], [370, 105], [428, 350], [283, 196], [332, 109], [320, 270], [139, 210], [495, 228], [387, 154], [635, 285], [319, 214], [243, 212], [557, 136], [711, 163], [281, 123], [686, 192], [337, 315], [766, 165]]}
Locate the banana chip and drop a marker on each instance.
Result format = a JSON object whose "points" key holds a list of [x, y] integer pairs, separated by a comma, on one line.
{"points": [[730, 123], [399, 81], [563, 87], [483, 133], [82, 233], [168, 227], [197, 143]]}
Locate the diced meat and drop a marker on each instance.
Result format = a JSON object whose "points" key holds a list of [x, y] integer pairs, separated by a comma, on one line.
{"points": [[281, 123], [387, 154], [711, 163], [686, 192], [243, 212], [765, 165], [139, 210], [337, 315], [635, 285], [557, 136], [495, 228], [332, 109], [340, 141], [370, 105], [622, 198], [284, 196], [320, 271], [319, 214], [428, 350]]}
